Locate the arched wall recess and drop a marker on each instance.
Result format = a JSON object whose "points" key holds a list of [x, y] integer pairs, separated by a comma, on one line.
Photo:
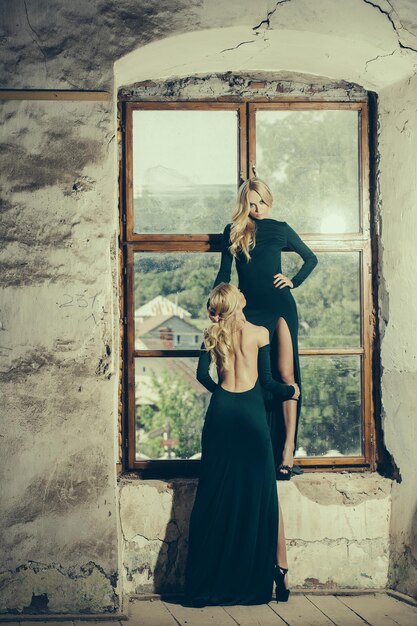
{"points": [[373, 60]]}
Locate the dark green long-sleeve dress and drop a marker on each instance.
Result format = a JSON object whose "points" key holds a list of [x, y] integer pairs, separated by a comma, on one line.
{"points": [[267, 303], [234, 521]]}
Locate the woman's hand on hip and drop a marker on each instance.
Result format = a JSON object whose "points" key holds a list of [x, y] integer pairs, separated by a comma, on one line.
{"points": [[297, 391], [282, 281]]}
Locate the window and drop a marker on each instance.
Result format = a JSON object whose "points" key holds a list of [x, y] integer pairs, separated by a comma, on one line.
{"points": [[183, 163]]}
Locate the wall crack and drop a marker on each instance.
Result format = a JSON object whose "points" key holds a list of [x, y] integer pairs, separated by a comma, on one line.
{"points": [[388, 15], [380, 56], [238, 46], [267, 20], [36, 39]]}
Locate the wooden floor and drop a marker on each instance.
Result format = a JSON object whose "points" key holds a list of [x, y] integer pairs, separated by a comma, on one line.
{"points": [[302, 609]]}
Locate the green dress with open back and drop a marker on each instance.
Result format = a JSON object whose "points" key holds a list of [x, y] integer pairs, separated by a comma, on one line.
{"points": [[265, 303], [234, 521]]}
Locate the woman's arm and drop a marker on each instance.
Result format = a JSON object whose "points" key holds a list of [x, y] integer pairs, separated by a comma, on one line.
{"points": [[225, 270], [265, 376], [203, 366], [296, 244]]}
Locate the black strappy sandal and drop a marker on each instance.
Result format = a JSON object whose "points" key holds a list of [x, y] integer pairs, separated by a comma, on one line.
{"points": [[281, 592], [284, 475]]}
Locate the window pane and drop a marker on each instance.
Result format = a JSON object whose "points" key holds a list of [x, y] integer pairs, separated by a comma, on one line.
{"points": [[185, 170], [171, 405], [330, 422], [328, 301], [171, 291], [170, 408], [311, 161]]}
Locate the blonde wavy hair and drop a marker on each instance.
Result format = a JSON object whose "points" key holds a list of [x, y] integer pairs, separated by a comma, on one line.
{"points": [[223, 305], [242, 232]]}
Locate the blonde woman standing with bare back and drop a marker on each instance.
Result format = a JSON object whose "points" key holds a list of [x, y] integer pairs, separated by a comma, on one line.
{"points": [[232, 547]]}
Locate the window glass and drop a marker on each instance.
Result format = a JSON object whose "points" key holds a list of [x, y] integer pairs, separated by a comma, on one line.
{"points": [[330, 424], [185, 170], [328, 301], [171, 291], [310, 159], [170, 408]]}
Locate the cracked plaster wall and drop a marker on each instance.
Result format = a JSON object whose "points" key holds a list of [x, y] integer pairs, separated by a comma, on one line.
{"points": [[398, 227], [58, 357], [59, 300], [52, 44], [336, 528]]}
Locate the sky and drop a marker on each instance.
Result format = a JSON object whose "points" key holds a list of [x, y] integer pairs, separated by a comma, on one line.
{"points": [[200, 145]]}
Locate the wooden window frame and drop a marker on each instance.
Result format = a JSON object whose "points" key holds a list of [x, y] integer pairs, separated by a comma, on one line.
{"points": [[131, 242]]}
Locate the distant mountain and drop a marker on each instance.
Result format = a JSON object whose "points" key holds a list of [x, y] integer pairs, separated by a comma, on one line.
{"points": [[160, 177]]}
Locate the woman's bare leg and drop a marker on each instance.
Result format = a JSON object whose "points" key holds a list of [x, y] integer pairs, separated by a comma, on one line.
{"points": [[286, 371], [289, 407], [281, 547]]}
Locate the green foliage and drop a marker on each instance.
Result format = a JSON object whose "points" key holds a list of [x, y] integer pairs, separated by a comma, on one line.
{"points": [[198, 209], [179, 408], [310, 160], [188, 276], [331, 413], [328, 300]]}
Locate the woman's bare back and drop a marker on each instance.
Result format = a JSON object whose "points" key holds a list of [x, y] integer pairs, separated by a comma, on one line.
{"points": [[243, 371]]}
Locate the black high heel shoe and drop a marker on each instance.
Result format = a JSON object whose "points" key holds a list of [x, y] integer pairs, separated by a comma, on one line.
{"points": [[281, 593], [284, 472]]}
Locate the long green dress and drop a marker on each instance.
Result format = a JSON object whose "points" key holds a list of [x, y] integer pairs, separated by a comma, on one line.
{"points": [[234, 521], [267, 303]]}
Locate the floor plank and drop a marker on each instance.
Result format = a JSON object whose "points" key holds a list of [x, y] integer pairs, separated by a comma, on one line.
{"points": [[400, 612], [299, 611], [48, 623], [254, 615], [336, 611], [382, 610], [149, 613], [206, 616]]}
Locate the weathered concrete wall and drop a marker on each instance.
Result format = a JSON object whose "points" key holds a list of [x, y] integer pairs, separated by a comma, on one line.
{"points": [[352, 40], [336, 527], [53, 44], [398, 226], [58, 357], [59, 299]]}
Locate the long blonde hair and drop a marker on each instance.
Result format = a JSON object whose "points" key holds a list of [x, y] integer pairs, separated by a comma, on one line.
{"points": [[223, 304], [242, 232]]}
